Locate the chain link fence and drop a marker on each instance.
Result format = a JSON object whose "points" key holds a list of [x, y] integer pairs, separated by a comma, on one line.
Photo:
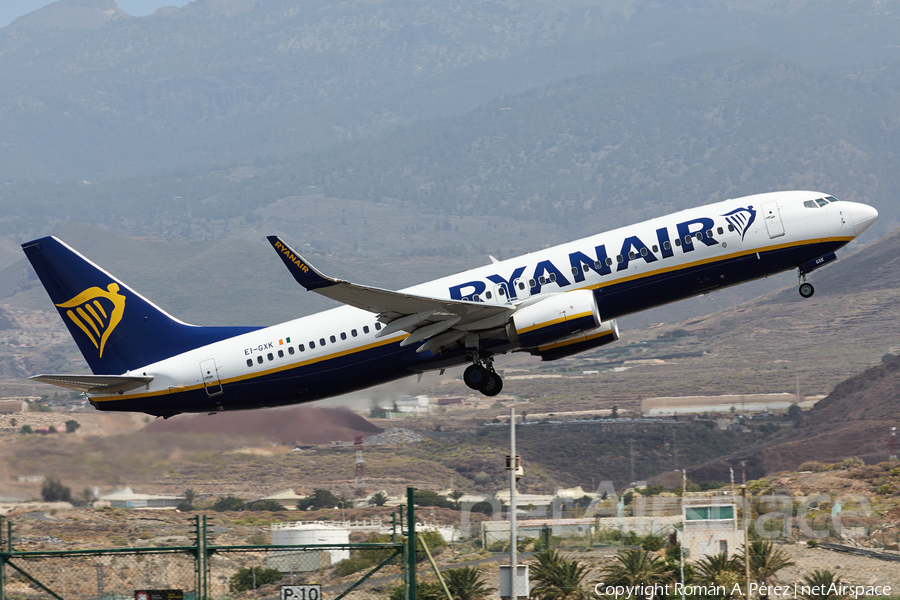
{"points": [[202, 571]]}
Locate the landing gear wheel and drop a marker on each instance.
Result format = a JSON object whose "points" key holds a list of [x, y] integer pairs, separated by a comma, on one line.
{"points": [[475, 376], [807, 290], [492, 385]]}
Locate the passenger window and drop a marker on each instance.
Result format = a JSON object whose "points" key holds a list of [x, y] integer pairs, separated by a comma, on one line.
{"points": [[290, 350], [655, 248], [259, 359], [353, 332], [709, 233], [343, 336], [574, 270], [643, 252], [667, 245], [501, 291], [730, 227], [552, 276], [301, 347], [631, 255], [312, 344], [476, 298], [281, 354], [597, 265], [333, 339], [620, 258], [608, 261], [677, 241], [269, 356], [365, 329], [377, 326], [321, 341], [542, 280], [531, 283], [521, 285], [249, 362], [699, 235], [687, 239], [720, 231]]}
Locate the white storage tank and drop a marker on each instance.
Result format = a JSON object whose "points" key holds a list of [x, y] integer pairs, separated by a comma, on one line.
{"points": [[302, 533]]}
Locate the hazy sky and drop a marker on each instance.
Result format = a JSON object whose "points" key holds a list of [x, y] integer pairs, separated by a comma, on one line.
{"points": [[13, 9]]}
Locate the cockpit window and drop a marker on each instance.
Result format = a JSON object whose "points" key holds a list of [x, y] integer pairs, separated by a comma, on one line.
{"points": [[810, 204], [832, 199], [821, 201]]}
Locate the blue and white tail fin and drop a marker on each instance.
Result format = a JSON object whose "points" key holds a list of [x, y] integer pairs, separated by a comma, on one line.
{"points": [[116, 329]]}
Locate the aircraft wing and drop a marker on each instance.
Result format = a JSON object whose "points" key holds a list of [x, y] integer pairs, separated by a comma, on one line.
{"points": [[422, 316], [95, 383]]}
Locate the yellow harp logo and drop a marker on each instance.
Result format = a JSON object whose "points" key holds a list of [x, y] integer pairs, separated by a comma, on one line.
{"points": [[96, 312]]}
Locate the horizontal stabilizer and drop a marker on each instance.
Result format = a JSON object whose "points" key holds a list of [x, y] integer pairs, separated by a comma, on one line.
{"points": [[95, 383]]}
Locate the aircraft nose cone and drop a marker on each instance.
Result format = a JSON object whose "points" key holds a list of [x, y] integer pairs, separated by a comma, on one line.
{"points": [[863, 216]]}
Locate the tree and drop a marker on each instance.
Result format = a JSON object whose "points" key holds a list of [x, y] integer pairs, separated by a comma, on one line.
{"points": [[26, 429], [319, 499], [87, 496], [818, 586], [635, 567], [765, 562], [557, 578], [250, 578], [378, 499], [614, 413], [719, 570], [427, 498], [190, 496], [269, 505], [228, 503], [54, 491], [466, 583], [72, 425]]}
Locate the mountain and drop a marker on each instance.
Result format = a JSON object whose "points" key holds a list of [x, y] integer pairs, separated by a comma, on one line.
{"points": [[91, 93]]}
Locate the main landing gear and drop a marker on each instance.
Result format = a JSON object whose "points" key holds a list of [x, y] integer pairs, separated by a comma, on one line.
{"points": [[480, 375], [806, 289]]}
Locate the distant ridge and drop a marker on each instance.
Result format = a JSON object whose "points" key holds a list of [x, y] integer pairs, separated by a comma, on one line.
{"points": [[854, 420]]}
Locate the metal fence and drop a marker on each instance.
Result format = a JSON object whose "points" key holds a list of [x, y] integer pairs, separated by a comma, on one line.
{"points": [[202, 571]]}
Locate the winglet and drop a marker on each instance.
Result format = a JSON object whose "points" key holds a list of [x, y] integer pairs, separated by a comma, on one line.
{"points": [[305, 274]]}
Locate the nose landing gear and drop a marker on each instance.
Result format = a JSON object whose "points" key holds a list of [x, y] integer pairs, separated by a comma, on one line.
{"points": [[480, 375]]}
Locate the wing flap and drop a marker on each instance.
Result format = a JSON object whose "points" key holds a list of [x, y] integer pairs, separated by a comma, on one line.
{"points": [[95, 383]]}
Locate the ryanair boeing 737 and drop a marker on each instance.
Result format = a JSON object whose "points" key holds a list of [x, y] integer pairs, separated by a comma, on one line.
{"points": [[552, 303]]}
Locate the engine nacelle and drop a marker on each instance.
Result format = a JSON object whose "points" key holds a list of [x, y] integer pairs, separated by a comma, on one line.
{"points": [[607, 333], [554, 318]]}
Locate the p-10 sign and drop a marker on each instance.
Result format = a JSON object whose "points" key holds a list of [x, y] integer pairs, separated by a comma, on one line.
{"points": [[301, 592]]}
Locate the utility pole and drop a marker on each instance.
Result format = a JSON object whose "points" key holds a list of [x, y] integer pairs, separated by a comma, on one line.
{"points": [[631, 450], [745, 521]]}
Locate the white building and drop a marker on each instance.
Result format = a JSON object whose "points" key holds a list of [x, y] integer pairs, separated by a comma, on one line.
{"points": [[710, 524]]}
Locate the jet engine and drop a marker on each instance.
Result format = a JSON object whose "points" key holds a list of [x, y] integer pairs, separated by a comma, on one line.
{"points": [[607, 333], [554, 319]]}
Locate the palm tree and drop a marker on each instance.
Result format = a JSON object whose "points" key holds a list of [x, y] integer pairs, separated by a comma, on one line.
{"points": [[765, 562], [719, 570], [466, 583], [636, 567], [817, 586], [557, 578], [190, 496]]}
